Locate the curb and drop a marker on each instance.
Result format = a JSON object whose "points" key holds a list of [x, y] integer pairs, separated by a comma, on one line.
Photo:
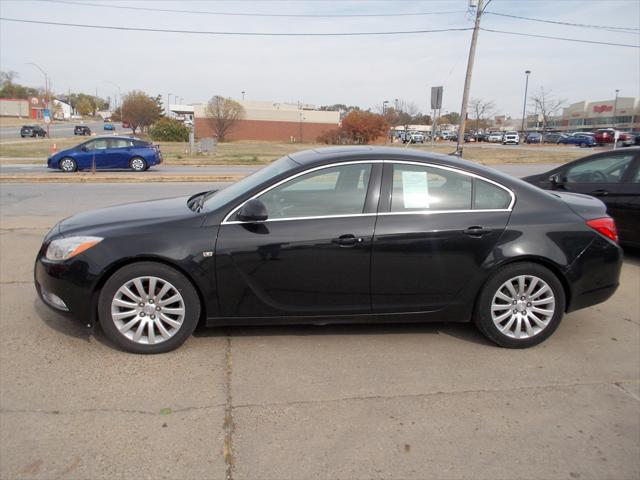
{"points": [[93, 178]]}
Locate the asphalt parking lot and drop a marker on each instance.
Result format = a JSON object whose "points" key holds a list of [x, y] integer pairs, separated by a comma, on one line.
{"points": [[362, 402]]}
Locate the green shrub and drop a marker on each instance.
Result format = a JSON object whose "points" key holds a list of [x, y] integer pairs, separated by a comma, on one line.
{"points": [[169, 130]]}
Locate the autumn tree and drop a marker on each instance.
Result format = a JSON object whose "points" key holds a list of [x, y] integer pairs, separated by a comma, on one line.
{"points": [[482, 110], [452, 118], [140, 110], [84, 106], [10, 89], [546, 105], [222, 114], [363, 127]]}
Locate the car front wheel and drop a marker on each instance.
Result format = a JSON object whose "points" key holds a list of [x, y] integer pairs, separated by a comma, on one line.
{"points": [[148, 307], [68, 165], [520, 305]]}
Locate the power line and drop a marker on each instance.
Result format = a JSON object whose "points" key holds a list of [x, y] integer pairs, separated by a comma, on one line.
{"points": [[248, 14], [307, 34], [577, 40], [250, 34], [583, 25]]}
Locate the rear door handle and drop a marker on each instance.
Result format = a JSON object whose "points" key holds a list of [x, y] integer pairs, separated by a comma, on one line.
{"points": [[600, 193], [476, 231], [347, 240]]}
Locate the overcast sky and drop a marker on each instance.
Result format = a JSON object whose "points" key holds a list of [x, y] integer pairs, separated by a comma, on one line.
{"points": [[354, 70]]}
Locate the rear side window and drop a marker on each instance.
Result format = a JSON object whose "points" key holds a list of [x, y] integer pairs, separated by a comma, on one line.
{"points": [[488, 196], [418, 188]]}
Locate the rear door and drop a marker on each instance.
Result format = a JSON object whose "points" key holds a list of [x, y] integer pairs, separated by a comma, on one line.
{"points": [[435, 228], [601, 176], [628, 205], [118, 153]]}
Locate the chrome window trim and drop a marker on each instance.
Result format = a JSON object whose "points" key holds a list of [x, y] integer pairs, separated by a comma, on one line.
{"points": [[226, 220]]}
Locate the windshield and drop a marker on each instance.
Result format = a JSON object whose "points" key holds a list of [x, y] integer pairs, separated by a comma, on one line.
{"points": [[247, 183]]}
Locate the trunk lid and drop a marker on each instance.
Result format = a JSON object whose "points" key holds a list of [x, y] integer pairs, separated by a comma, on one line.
{"points": [[586, 206]]}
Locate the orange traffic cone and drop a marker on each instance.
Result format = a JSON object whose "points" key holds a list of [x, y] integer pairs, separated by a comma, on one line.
{"points": [[54, 148]]}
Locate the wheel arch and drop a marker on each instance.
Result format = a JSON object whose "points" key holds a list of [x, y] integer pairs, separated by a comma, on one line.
{"points": [[114, 267], [548, 264]]}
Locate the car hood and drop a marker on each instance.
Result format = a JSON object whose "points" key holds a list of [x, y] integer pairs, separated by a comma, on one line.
{"points": [[140, 213]]}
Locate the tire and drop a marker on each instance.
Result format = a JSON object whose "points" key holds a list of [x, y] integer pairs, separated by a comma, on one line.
{"points": [[135, 321], [518, 327], [68, 165], [138, 164]]}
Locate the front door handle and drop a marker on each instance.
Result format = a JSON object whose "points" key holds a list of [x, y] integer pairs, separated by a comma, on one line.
{"points": [[347, 240], [600, 193], [476, 231]]}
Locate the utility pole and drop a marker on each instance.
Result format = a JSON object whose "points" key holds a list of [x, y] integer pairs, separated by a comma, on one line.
{"points": [[524, 106], [467, 80]]}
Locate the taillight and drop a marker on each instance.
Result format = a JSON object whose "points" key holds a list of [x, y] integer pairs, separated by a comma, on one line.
{"points": [[606, 226]]}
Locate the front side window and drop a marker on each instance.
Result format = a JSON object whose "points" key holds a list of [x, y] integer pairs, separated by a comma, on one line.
{"points": [[339, 190], [418, 188], [99, 144], [607, 169]]}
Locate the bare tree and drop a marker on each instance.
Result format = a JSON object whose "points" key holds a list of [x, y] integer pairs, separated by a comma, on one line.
{"points": [[546, 105], [222, 114], [482, 110]]}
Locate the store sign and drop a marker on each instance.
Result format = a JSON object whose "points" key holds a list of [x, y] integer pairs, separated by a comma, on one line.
{"points": [[602, 108]]}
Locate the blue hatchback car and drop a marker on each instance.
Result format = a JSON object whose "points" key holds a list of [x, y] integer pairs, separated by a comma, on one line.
{"points": [[107, 153]]}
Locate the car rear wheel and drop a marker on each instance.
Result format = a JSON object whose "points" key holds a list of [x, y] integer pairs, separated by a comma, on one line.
{"points": [[520, 305], [138, 164], [148, 307], [68, 165]]}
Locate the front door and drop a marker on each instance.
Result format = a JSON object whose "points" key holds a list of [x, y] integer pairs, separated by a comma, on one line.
{"points": [[435, 228], [311, 256]]}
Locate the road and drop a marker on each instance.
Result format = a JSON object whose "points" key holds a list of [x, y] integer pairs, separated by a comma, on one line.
{"points": [[518, 170], [59, 130]]}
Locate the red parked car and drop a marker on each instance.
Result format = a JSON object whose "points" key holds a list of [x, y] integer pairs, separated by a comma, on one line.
{"points": [[607, 135]]}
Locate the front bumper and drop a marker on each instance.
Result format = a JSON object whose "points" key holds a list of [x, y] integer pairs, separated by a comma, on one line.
{"points": [[71, 282]]}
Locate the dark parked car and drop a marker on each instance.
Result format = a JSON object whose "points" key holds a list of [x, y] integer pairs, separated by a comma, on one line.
{"points": [[107, 153], [533, 138], [580, 139], [613, 177], [348, 234], [81, 130], [32, 131], [553, 137]]}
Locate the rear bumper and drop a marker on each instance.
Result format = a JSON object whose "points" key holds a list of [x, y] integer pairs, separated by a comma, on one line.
{"points": [[595, 275]]}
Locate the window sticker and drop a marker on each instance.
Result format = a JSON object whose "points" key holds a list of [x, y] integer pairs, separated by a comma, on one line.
{"points": [[415, 189]]}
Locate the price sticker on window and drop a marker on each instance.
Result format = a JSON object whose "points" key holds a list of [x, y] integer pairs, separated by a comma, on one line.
{"points": [[415, 189]]}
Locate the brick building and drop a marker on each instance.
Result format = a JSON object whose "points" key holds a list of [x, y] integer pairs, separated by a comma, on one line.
{"points": [[273, 121]]}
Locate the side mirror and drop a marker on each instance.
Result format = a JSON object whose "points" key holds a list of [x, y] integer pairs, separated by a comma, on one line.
{"points": [[253, 211], [556, 179], [83, 148]]}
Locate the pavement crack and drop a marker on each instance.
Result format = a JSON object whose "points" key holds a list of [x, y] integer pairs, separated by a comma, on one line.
{"points": [[432, 394], [228, 425], [621, 387], [107, 410]]}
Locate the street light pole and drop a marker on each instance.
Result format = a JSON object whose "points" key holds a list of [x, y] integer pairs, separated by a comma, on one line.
{"points": [[243, 95], [168, 102], [384, 113], [615, 109], [467, 81], [524, 105], [46, 88]]}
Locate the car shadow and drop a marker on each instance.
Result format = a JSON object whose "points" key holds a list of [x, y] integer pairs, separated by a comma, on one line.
{"points": [[463, 331]]}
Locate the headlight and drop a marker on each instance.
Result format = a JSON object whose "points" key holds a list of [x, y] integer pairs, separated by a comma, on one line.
{"points": [[65, 248]]}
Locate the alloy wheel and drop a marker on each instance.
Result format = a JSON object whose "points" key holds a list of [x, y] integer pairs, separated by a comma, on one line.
{"points": [[523, 307], [148, 310], [137, 164], [67, 165]]}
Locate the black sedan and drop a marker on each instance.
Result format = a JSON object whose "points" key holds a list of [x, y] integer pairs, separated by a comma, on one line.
{"points": [[612, 176], [349, 234]]}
